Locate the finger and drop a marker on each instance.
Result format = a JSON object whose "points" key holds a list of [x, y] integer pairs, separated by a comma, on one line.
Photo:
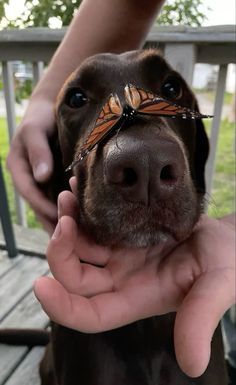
{"points": [[68, 205], [47, 224], [65, 264], [92, 253], [73, 185], [198, 318], [102, 312], [105, 311], [93, 315], [24, 182], [39, 153]]}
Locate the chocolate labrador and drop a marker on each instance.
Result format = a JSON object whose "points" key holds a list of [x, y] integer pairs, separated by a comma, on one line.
{"points": [[141, 183]]}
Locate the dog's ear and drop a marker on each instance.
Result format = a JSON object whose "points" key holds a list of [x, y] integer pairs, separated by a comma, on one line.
{"points": [[201, 152]]}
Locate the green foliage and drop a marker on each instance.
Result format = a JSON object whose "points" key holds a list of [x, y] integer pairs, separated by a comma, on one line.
{"points": [[39, 13], [228, 96], [2, 8], [222, 199], [23, 90], [4, 148], [184, 12]]}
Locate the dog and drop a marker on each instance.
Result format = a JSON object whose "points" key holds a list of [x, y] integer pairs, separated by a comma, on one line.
{"points": [[140, 185]]}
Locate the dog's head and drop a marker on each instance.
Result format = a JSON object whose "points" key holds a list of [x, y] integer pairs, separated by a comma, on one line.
{"points": [[144, 183]]}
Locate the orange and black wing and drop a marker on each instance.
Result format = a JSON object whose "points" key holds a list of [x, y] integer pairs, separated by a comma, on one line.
{"points": [[144, 102], [108, 117]]}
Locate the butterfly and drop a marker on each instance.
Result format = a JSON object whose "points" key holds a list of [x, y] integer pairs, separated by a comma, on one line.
{"points": [[138, 102]]}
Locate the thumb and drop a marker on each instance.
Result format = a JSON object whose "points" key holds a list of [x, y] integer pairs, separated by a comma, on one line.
{"points": [[63, 261], [40, 156], [198, 317]]}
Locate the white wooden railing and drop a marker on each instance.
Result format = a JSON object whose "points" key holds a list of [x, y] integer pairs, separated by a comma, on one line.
{"points": [[183, 47]]}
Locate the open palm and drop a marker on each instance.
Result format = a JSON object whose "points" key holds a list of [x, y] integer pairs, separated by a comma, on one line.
{"points": [[96, 289]]}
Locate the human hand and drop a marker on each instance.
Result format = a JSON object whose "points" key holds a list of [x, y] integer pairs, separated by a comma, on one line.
{"points": [[30, 159], [116, 287]]}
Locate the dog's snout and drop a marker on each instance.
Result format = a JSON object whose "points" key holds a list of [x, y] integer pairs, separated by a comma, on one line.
{"points": [[144, 172]]}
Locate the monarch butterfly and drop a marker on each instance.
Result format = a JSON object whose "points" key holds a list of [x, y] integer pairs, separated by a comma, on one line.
{"points": [[138, 102]]}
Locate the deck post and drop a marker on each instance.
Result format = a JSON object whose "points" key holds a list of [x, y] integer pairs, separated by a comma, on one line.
{"points": [[182, 57], [37, 71], [6, 219], [210, 166], [9, 93]]}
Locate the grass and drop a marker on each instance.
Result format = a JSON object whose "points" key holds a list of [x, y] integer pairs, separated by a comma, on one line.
{"points": [[228, 96], [222, 200], [4, 147]]}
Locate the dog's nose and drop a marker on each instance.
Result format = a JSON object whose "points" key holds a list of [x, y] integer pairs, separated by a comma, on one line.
{"points": [[145, 172]]}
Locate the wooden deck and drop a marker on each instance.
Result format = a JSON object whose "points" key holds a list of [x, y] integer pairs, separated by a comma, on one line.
{"points": [[18, 306], [20, 309]]}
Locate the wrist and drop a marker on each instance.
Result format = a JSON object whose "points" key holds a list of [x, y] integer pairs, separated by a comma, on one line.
{"points": [[44, 92], [39, 114]]}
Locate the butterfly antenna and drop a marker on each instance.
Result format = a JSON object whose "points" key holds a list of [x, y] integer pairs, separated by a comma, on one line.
{"points": [[76, 161], [72, 165], [190, 114], [117, 133]]}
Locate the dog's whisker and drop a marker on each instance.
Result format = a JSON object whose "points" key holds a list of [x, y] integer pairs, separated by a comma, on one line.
{"points": [[117, 133], [209, 202], [208, 198]]}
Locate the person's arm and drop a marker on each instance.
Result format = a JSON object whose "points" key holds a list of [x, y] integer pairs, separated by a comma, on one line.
{"points": [[98, 26]]}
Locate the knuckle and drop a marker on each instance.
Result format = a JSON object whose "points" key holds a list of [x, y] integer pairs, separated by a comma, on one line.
{"points": [[24, 128]]}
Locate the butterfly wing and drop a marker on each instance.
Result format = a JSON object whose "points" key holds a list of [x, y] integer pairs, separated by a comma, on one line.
{"points": [[144, 102], [107, 118]]}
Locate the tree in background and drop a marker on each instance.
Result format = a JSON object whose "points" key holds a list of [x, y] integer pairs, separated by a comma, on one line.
{"points": [[57, 13], [182, 12], [41, 13]]}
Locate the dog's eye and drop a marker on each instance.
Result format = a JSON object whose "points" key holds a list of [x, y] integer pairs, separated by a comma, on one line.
{"points": [[171, 89], [75, 98]]}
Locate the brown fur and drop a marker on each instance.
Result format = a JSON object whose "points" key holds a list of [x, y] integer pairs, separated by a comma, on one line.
{"points": [[134, 214]]}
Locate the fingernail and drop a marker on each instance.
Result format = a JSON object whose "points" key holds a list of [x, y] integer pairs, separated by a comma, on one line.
{"points": [[57, 231], [59, 209], [41, 170], [35, 288]]}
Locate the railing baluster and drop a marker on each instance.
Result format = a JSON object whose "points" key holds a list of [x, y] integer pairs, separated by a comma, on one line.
{"points": [[183, 58], [6, 220], [8, 82], [220, 90], [37, 71], [9, 97]]}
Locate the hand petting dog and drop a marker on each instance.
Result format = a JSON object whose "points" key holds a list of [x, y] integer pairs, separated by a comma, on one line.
{"points": [[96, 289]]}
